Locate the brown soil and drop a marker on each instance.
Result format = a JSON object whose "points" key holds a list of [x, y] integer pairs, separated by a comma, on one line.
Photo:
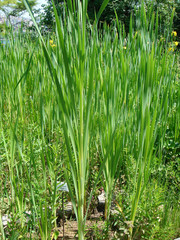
{"points": [[71, 229]]}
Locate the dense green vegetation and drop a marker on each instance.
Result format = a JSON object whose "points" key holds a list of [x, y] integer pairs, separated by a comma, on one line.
{"points": [[97, 108], [123, 9]]}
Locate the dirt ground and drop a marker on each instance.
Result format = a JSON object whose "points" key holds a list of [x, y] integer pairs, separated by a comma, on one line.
{"points": [[71, 228]]}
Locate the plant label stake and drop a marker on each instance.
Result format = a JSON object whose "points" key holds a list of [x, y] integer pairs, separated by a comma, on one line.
{"points": [[64, 188]]}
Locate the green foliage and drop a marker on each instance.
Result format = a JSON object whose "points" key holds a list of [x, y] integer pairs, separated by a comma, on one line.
{"points": [[177, 19], [14, 7], [123, 9], [47, 17], [164, 9], [95, 108], [7, 3], [156, 217]]}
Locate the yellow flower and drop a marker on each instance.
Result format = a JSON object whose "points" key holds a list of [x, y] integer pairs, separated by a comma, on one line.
{"points": [[53, 45], [171, 49], [51, 42], [176, 43], [174, 33], [124, 47]]}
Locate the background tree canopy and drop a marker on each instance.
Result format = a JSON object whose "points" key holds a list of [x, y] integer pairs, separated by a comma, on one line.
{"points": [[14, 7], [124, 9]]}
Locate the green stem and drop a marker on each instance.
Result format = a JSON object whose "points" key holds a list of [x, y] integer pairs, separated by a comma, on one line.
{"points": [[80, 221], [81, 166]]}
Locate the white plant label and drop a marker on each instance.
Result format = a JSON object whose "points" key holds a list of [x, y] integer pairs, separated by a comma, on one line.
{"points": [[62, 186]]}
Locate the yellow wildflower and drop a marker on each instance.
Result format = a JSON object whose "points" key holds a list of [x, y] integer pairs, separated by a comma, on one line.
{"points": [[174, 33], [171, 49], [124, 47], [53, 45], [51, 42], [176, 43]]}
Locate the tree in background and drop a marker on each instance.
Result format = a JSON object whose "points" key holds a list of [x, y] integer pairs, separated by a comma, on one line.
{"points": [[177, 19], [123, 9], [47, 18], [14, 8], [164, 9]]}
